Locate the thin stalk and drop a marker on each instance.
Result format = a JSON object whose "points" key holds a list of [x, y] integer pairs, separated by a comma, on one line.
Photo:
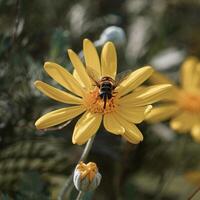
{"points": [[87, 149], [14, 34], [171, 174], [80, 195], [66, 189]]}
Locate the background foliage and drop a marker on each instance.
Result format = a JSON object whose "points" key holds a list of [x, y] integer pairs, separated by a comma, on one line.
{"points": [[33, 164]]}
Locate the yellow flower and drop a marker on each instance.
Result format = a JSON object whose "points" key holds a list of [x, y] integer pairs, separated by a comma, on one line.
{"points": [[126, 107], [193, 177], [183, 102]]}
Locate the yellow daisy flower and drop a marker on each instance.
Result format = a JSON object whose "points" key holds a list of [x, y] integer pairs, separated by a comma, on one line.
{"points": [[183, 102], [125, 108], [193, 177]]}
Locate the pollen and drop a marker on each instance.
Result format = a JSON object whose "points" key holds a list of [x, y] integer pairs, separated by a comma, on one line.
{"points": [[95, 104], [190, 102]]}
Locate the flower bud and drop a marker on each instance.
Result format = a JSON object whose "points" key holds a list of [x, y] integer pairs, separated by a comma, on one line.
{"points": [[86, 177], [114, 34]]}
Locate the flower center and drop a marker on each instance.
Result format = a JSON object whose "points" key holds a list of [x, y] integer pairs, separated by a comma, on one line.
{"points": [[190, 102], [95, 104]]}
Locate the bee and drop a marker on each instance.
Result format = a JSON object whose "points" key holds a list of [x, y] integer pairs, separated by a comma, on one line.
{"points": [[106, 84], [106, 87]]}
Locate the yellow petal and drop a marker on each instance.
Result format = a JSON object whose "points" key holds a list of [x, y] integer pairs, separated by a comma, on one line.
{"points": [[158, 78], [133, 114], [112, 125], [80, 69], [146, 96], [130, 139], [57, 94], [135, 79], [171, 95], [109, 60], [131, 130], [196, 132], [86, 127], [64, 78], [183, 122], [58, 116], [134, 135], [91, 56], [196, 79], [162, 112], [76, 76], [188, 71]]}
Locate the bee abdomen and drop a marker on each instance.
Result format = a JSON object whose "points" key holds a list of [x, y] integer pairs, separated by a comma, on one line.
{"points": [[105, 95], [106, 91]]}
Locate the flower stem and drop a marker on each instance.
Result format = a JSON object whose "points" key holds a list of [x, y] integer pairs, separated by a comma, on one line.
{"points": [[66, 189], [87, 149], [80, 195]]}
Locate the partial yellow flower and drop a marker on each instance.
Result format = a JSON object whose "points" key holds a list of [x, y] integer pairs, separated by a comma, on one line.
{"points": [[125, 108], [183, 102], [193, 177]]}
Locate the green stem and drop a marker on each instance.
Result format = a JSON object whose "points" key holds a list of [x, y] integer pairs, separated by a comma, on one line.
{"points": [[80, 195], [66, 189], [87, 149], [171, 174]]}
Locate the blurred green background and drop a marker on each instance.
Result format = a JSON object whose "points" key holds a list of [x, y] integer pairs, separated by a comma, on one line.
{"points": [[34, 164]]}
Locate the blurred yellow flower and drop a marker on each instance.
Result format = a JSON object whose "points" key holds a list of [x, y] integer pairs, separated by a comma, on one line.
{"points": [[183, 102], [193, 177], [125, 107]]}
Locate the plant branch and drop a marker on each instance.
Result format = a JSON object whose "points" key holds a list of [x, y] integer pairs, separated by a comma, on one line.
{"points": [[80, 195], [67, 185]]}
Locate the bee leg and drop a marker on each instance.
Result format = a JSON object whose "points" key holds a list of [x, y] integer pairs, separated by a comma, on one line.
{"points": [[114, 94], [96, 83]]}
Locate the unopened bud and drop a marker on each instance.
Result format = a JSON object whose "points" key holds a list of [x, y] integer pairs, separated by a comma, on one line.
{"points": [[114, 34], [86, 177]]}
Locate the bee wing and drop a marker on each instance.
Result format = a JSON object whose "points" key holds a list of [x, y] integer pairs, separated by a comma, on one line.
{"points": [[94, 76], [122, 76]]}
